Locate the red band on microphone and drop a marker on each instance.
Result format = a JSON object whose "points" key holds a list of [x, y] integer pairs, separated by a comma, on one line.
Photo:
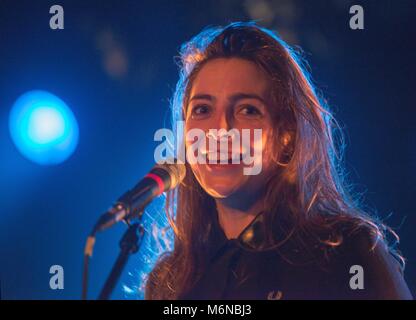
{"points": [[158, 180]]}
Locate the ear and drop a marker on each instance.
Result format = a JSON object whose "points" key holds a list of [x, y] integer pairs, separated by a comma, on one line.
{"points": [[287, 143], [286, 138]]}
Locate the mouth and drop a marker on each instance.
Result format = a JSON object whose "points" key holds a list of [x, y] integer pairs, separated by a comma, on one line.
{"points": [[230, 160]]}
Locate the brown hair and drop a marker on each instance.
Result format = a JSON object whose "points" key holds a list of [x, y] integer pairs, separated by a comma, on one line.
{"points": [[307, 197]]}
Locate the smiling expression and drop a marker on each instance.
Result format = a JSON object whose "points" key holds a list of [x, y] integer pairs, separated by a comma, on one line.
{"points": [[230, 93]]}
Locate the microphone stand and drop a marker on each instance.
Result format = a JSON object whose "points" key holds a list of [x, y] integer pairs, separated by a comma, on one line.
{"points": [[129, 244]]}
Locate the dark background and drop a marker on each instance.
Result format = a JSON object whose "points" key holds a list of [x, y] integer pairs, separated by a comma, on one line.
{"points": [[113, 65]]}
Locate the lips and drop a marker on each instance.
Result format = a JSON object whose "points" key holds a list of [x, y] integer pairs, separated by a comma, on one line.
{"points": [[231, 159]]}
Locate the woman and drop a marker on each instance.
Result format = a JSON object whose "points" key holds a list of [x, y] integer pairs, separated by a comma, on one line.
{"points": [[292, 231]]}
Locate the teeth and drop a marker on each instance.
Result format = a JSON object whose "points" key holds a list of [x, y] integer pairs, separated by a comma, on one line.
{"points": [[217, 158], [211, 158]]}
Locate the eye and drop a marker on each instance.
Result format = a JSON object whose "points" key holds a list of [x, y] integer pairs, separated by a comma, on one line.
{"points": [[249, 110], [200, 111]]}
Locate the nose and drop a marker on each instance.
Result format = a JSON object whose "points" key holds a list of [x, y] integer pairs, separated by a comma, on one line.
{"points": [[218, 134], [224, 120], [222, 125]]}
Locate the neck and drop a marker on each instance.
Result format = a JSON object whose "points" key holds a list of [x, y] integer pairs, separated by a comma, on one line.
{"points": [[234, 219]]}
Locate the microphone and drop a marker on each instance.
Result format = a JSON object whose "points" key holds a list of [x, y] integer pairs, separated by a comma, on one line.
{"points": [[161, 178]]}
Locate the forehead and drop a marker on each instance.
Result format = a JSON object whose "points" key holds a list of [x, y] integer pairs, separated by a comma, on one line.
{"points": [[224, 76]]}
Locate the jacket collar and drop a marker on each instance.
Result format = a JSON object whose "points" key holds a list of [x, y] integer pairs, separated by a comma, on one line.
{"points": [[251, 238]]}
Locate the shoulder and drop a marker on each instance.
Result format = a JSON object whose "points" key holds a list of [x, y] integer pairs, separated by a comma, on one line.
{"points": [[374, 272]]}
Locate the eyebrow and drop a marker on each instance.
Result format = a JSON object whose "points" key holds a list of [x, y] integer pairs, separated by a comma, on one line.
{"points": [[234, 98]]}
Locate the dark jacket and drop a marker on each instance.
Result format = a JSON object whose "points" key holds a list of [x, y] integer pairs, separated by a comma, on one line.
{"points": [[357, 269]]}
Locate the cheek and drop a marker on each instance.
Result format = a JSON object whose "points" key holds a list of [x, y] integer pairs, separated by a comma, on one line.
{"points": [[204, 124]]}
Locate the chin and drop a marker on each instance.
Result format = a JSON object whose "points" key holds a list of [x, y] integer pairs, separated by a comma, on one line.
{"points": [[219, 190], [219, 186]]}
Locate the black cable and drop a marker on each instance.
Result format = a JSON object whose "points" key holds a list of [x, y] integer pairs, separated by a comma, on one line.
{"points": [[89, 245], [85, 277]]}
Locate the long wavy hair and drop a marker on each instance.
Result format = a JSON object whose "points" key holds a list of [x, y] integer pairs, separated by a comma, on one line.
{"points": [[307, 200]]}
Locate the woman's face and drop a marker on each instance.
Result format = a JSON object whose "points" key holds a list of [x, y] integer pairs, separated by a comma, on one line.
{"points": [[230, 93]]}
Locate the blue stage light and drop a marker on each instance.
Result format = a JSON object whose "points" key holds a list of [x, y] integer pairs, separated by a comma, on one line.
{"points": [[43, 128]]}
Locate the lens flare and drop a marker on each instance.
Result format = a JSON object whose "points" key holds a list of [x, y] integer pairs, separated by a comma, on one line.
{"points": [[43, 128]]}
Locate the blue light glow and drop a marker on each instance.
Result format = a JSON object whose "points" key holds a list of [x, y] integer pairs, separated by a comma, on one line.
{"points": [[43, 128]]}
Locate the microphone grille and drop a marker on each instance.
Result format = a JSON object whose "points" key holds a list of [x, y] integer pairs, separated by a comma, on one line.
{"points": [[176, 172]]}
